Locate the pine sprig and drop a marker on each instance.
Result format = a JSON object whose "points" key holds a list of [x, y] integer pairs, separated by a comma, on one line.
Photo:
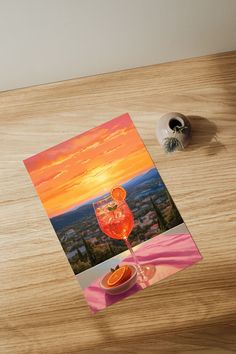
{"points": [[172, 144], [180, 129]]}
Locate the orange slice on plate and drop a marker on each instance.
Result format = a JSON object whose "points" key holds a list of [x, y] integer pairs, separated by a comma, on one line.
{"points": [[118, 193], [119, 276]]}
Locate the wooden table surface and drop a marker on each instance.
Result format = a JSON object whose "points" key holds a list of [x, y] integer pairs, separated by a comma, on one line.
{"points": [[42, 308]]}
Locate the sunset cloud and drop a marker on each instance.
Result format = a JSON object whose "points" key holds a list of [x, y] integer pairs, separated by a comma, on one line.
{"points": [[88, 165]]}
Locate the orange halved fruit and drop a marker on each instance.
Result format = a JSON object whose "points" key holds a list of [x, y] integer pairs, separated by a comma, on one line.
{"points": [[118, 193], [119, 276]]}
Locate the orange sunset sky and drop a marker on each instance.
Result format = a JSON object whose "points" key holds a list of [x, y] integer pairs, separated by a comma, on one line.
{"points": [[88, 165]]}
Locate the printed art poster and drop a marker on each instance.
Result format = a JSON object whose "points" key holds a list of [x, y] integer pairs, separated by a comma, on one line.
{"points": [[117, 223]]}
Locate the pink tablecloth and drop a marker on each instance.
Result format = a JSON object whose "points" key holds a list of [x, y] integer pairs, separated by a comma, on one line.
{"points": [[169, 253]]}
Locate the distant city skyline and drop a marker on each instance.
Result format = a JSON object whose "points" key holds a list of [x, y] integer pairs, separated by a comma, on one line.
{"points": [[88, 165]]}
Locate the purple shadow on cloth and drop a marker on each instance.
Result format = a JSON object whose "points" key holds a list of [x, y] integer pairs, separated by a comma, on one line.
{"points": [[169, 253]]}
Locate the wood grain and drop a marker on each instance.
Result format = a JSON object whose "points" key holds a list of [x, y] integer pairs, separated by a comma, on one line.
{"points": [[42, 309]]}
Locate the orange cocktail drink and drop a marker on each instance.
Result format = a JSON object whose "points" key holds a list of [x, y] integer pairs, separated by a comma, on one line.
{"points": [[114, 218]]}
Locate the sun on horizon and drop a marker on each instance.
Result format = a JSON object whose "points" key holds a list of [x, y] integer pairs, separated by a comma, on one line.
{"points": [[88, 165]]}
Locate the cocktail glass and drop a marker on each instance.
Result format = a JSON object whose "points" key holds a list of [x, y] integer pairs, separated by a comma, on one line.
{"points": [[116, 220]]}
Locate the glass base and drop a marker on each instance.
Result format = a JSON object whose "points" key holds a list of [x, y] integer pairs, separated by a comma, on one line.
{"points": [[148, 272]]}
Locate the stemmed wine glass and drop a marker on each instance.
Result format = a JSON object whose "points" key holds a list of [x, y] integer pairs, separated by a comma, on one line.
{"points": [[116, 220]]}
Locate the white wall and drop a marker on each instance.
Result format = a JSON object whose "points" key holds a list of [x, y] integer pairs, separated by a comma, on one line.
{"points": [[49, 40]]}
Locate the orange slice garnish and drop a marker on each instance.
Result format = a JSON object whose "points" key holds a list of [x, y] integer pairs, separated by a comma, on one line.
{"points": [[119, 276], [118, 194]]}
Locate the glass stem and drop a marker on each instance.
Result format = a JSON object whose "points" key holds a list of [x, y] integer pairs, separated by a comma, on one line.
{"points": [[139, 269]]}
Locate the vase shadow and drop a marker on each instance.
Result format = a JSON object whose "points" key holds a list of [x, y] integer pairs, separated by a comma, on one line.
{"points": [[204, 134]]}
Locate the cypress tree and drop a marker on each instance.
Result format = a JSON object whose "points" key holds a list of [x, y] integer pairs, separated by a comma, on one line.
{"points": [[161, 220], [89, 253], [176, 217]]}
